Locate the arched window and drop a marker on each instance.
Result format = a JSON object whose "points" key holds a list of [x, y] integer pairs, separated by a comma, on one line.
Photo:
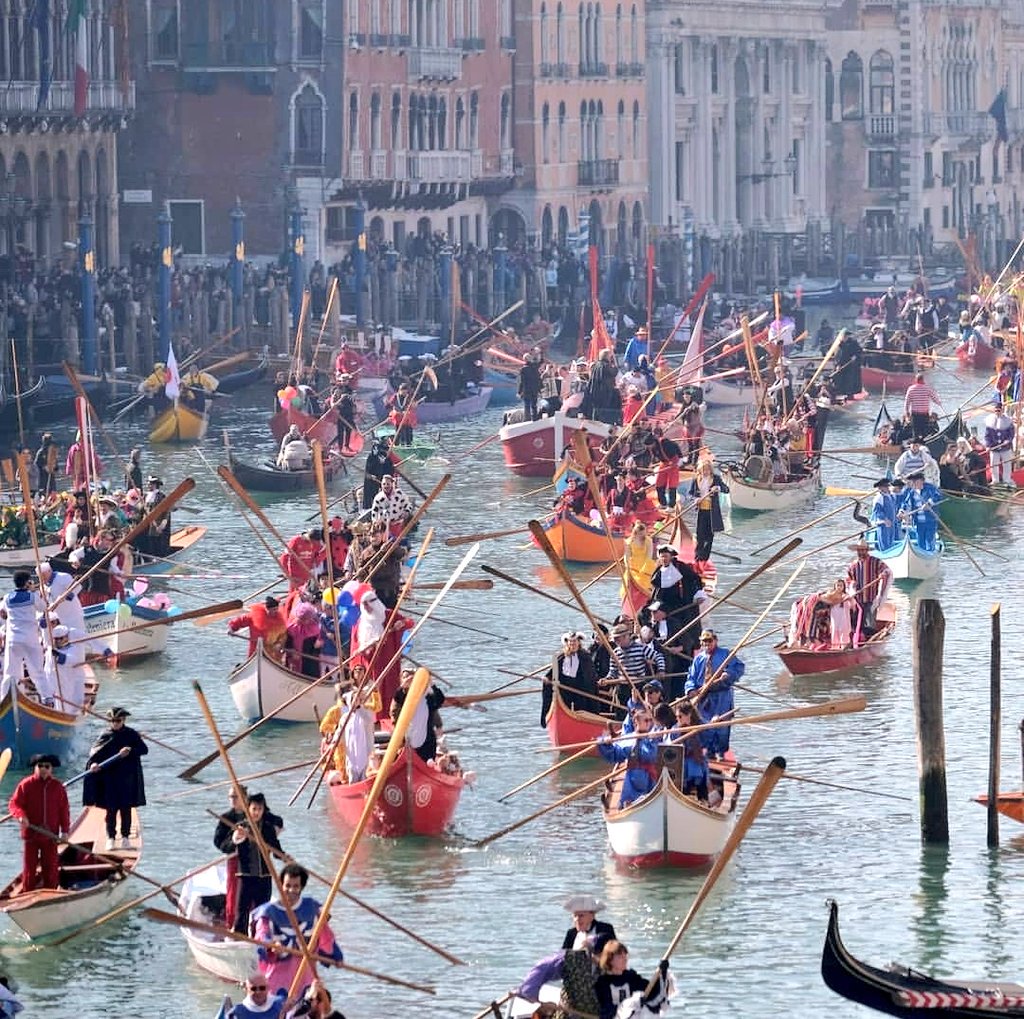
{"points": [[563, 225], [598, 129], [830, 89], [442, 124], [851, 88], [545, 55], [620, 131], [414, 106], [634, 38], [505, 121], [584, 134], [474, 121], [308, 140], [460, 124], [561, 132], [560, 35], [545, 129], [598, 49], [636, 129], [396, 121], [353, 120], [584, 36], [375, 122], [882, 84]]}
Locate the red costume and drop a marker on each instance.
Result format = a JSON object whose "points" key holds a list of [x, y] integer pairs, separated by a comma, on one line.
{"points": [[632, 409], [42, 801], [348, 362], [302, 559], [266, 624], [339, 551]]}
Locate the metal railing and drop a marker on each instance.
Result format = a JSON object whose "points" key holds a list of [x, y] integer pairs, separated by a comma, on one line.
{"points": [[435, 62], [102, 96], [439, 167], [228, 56], [593, 70], [598, 172]]}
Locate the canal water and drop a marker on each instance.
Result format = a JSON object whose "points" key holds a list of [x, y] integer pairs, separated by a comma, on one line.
{"points": [[755, 949]]}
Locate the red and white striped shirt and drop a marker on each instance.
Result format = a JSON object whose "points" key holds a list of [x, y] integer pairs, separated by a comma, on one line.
{"points": [[919, 399]]}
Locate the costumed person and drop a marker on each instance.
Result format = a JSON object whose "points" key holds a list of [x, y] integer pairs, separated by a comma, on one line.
{"points": [[257, 1003], [915, 509], [917, 403], [114, 778], [575, 677], [868, 580], [916, 457], [265, 622], [585, 924], [717, 699], [639, 564], [348, 361], [343, 402], [363, 705], [380, 461], [705, 487], [391, 506], [42, 802], [576, 970], [158, 536], [255, 881], [618, 985], [528, 389], [271, 923], [676, 585], [295, 453], [304, 559], [667, 453], [639, 752], [47, 461], [376, 646], [999, 429], [226, 822], [402, 414], [426, 720], [695, 759], [20, 610], [691, 416], [883, 516], [133, 471], [56, 586], [82, 466], [63, 682], [304, 639]]}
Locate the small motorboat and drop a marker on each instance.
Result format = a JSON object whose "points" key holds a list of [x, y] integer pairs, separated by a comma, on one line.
{"points": [[90, 885], [417, 799], [902, 991], [667, 828], [268, 477], [202, 899], [260, 685]]}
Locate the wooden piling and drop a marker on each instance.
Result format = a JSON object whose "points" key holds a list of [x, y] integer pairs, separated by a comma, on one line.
{"points": [[994, 724], [929, 635]]}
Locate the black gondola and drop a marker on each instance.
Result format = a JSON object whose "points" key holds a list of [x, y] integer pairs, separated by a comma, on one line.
{"points": [[265, 477], [938, 442], [902, 991], [234, 381]]}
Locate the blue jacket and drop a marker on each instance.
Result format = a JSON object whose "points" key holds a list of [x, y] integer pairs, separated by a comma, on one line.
{"points": [[719, 699], [640, 754]]}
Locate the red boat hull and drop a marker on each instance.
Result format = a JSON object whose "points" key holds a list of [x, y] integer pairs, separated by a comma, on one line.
{"points": [[415, 800], [1008, 804], [532, 449], [566, 727], [983, 358], [875, 379], [324, 429]]}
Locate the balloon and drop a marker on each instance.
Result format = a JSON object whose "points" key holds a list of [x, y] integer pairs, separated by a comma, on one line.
{"points": [[296, 402], [407, 641], [595, 516], [329, 595], [346, 600], [348, 615], [124, 613], [351, 586], [174, 610], [111, 605], [140, 585]]}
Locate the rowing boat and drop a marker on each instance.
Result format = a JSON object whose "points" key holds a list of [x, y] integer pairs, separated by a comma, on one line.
{"points": [[566, 726], [235, 381], [89, 887], [533, 448], [179, 423], [902, 991], [434, 412], [259, 686], [32, 728], [146, 565], [416, 799], [1010, 805], [748, 492], [577, 540], [813, 661], [25, 556], [108, 622], [419, 449], [665, 827], [324, 428], [266, 477], [202, 899], [908, 561]]}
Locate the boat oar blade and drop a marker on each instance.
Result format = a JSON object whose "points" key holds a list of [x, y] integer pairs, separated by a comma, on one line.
{"points": [[5, 761]]}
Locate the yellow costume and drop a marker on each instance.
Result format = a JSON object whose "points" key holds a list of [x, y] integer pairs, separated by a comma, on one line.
{"points": [[640, 564]]}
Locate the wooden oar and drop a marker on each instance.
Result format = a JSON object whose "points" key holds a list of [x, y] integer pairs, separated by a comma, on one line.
{"points": [[962, 542], [757, 800], [803, 527], [219, 616], [581, 448], [480, 584], [145, 735], [183, 617], [494, 1008], [832, 544], [715, 765], [843, 706], [468, 539], [535, 590], [356, 901], [160, 916], [127, 906], [463, 626], [5, 761]]}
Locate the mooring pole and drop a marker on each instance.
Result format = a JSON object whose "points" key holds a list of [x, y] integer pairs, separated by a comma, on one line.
{"points": [[994, 725], [929, 635]]}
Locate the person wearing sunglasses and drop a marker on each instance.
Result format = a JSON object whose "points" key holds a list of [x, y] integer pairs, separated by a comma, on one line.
{"points": [[40, 803], [258, 1002]]}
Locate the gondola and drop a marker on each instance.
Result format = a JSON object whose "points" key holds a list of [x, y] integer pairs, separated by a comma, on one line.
{"points": [[14, 408], [902, 991], [181, 541], [266, 477], [90, 886], [56, 401], [433, 412], [259, 686], [416, 800], [811, 661], [202, 899], [235, 381]]}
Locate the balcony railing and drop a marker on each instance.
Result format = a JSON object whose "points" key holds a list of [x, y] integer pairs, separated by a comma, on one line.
{"points": [[399, 42], [378, 40], [560, 71], [623, 70], [435, 62], [882, 125], [545, 70], [506, 165], [593, 70], [439, 167], [598, 173], [102, 97], [356, 166], [963, 124], [508, 42], [378, 164], [228, 56], [473, 44]]}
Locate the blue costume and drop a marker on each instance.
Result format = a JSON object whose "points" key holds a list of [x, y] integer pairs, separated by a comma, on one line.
{"points": [[273, 1010], [636, 348], [917, 504], [640, 755], [719, 699], [883, 517]]}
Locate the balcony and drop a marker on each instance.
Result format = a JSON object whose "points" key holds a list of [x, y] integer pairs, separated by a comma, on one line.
{"points": [[441, 62], [399, 42], [962, 124], [560, 71], [248, 57], [378, 40], [440, 167], [508, 43], [545, 71], [473, 44], [881, 125], [356, 166], [103, 97], [598, 173], [629, 70], [506, 165], [378, 164], [593, 70]]}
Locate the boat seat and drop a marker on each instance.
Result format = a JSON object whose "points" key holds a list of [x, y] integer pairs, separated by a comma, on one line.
{"points": [[758, 468]]}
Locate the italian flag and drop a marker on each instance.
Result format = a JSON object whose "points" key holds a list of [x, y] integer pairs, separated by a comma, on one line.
{"points": [[76, 26]]}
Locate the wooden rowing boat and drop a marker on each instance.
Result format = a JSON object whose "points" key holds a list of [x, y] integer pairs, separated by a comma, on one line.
{"points": [[145, 565], [420, 449], [202, 899], [1010, 805], [757, 496], [902, 991], [667, 828], [567, 726], [25, 557], [324, 429], [982, 358], [533, 448], [30, 727], [577, 540], [878, 380], [89, 886], [260, 685], [179, 423], [107, 621], [908, 561], [235, 381], [416, 800], [266, 477], [810, 661], [435, 412]]}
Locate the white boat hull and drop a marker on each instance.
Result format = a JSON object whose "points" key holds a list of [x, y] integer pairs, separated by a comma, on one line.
{"points": [[667, 828], [908, 562], [259, 686], [224, 958], [109, 632], [728, 394], [761, 497]]}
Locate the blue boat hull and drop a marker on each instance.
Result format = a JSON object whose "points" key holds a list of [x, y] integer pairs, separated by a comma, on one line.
{"points": [[42, 730]]}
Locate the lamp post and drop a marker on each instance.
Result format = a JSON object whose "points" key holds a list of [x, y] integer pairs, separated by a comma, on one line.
{"points": [[87, 267], [163, 222]]}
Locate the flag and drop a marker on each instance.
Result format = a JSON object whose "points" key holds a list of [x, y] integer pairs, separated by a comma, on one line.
{"points": [[172, 387], [76, 25], [41, 23], [998, 113], [693, 362]]}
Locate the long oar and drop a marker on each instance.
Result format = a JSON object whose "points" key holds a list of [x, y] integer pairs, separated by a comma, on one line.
{"points": [[960, 541], [789, 776], [757, 800], [127, 906], [5, 761], [494, 1008], [532, 589], [160, 916], [803, 527], [148, 737], [479, 584], [468, 539], [355, 900], [183, 617], [219, 616]]}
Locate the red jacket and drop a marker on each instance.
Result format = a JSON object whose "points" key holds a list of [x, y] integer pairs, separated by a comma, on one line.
{"points": [[264, 624], [42, 802], [302, 557]]}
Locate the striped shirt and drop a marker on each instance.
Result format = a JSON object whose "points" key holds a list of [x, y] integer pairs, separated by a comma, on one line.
{"points": [[635, 661], [919, 399]]}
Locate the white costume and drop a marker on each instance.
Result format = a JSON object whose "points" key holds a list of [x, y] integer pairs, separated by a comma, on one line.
{"points": [[358, 740], [370, 625], [63, 672], [21, 610]]}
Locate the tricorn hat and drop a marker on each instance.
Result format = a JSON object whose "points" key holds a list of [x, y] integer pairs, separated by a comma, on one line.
{"points": [[916, 476], [115, 713]]}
